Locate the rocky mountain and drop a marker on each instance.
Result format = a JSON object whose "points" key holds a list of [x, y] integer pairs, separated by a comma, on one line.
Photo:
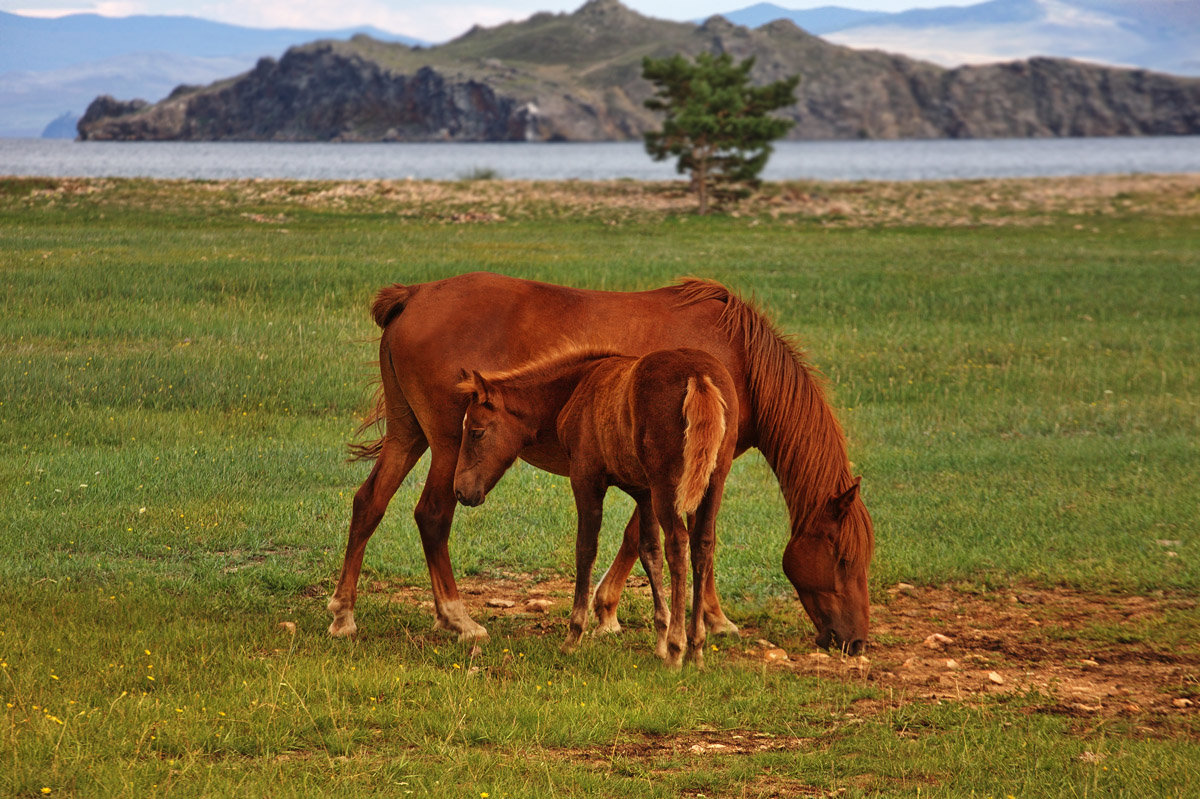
{"points": [[577, 77], [52, 66], [1162, 35], [65, 126]]}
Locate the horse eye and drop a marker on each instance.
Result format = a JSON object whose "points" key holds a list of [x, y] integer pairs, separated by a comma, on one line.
{"points": [[476, 433]]}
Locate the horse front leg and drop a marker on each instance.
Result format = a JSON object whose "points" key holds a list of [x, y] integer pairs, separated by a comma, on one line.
{"points": [[608, 592], [715, 620], [395, 460], [434, 514], [714, 617], [589, 490]]}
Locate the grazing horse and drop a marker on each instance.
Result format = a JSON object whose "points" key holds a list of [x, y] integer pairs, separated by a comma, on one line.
{"points": [[487, 322], [662, 427]]}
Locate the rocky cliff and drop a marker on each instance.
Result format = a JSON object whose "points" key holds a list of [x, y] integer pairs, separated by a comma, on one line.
{"points": [[319, 95], [578, 77]]}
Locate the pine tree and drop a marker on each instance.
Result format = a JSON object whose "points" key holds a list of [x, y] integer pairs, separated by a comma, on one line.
{"points": [[717, 124]]}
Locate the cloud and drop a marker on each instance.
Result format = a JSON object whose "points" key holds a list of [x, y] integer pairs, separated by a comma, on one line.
{"points": [[51, 10], [61, 8], [433, 20]]}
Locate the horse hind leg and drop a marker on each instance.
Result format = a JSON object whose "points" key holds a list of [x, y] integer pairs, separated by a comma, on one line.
{"points": [[651, 553], [675, 543], [715, 620], [640, 542], [702, 532], [704, 523], [401, 451], [608, 592]]}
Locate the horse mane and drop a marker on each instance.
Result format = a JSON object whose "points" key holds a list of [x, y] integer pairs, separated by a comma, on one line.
{"points": [[547, 365], [795, 428]]}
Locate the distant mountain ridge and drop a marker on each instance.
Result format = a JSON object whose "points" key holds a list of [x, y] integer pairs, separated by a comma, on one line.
{"points": [[52, 66], [817, 21], [1162, 35], [577, 77]]}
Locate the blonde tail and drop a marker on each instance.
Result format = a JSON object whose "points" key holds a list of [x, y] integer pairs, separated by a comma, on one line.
{"points": [[704, 409]]}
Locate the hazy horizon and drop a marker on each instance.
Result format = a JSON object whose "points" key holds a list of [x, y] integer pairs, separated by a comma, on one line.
{"points": [[433, 21]]}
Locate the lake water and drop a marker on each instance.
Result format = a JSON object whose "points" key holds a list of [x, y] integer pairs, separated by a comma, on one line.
{"points": [[843, 160]]}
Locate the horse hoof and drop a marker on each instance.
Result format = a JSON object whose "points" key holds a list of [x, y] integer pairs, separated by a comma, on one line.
{"points": [[574, 636], [723, 627], [477, 634], [343, 628], [609, 627]]}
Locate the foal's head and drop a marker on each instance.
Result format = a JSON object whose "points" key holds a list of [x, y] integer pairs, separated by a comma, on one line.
{"points": [[830, 580], [494, 433]]}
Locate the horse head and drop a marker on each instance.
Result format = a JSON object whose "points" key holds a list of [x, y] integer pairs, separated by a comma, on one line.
{"points": [[493, 434], [831, 580]]}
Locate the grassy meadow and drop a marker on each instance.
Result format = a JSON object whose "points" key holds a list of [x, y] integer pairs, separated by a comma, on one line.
{"points": [[182, 363]]}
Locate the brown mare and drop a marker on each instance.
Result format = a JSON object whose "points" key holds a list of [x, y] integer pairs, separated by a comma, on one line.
{"points": [[662, 427], [486, 322]]}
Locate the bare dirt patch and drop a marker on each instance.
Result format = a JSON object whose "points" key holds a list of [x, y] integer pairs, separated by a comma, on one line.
{"points": [[1085, 655], [1082, 654]]}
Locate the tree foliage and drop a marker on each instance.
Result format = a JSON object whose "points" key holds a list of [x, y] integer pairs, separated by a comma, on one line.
{"points": [[717, 124]]}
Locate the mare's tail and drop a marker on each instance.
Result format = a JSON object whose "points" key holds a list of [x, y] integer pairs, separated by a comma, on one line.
{"points": [[389, 302], [704, 409]]}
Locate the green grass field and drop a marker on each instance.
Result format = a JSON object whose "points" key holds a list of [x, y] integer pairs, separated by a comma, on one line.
{"points": [[181, 365]]}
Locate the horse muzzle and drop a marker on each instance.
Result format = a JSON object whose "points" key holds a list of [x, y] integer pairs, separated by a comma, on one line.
{"points": [[829, 639], [470, 499]]}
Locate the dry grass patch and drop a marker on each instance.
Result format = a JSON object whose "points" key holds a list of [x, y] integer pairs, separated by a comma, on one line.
{"points": [[830, 203]]}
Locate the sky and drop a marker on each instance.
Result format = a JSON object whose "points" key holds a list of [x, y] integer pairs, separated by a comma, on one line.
{"points": [[432, 20]]}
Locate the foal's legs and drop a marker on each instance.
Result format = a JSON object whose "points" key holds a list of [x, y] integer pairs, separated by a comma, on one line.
{"points": [[715, 620], [608, 592], [703, 541], [641, 539], [589, 506], [434, 514], [651, 551], [402, 448], [676, 537]]}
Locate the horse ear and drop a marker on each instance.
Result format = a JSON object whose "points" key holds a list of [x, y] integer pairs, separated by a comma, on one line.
{"points": [[466, 382], [840, 505], [482, 389]]}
